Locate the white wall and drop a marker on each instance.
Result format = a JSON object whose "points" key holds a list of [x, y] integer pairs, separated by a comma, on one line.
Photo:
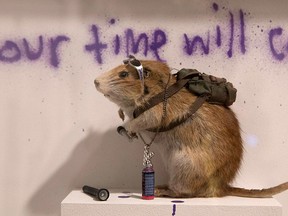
{"points": [[57, 133]]}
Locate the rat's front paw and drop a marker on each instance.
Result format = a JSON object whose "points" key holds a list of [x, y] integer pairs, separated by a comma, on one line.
{"points": [[132, 135], [130, 131]]}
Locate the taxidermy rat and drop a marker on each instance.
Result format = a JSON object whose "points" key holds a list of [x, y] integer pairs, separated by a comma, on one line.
{"points": [[202, 155]]}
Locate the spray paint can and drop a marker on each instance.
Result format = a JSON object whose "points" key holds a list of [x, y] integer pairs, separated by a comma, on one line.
{"points": [[148, 183]]}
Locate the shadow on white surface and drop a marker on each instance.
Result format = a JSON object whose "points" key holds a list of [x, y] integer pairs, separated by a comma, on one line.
{"points": [[98, 161]]}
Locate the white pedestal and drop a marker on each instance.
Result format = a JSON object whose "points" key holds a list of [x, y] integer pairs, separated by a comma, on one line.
{"points": [[125, 204]]}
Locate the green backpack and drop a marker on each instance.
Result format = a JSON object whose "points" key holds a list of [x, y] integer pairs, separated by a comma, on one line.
{"points": [[207, 88], [217, 90]]}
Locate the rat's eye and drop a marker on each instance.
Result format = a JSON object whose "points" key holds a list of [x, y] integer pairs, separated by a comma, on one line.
{"points": [[123, 74]]}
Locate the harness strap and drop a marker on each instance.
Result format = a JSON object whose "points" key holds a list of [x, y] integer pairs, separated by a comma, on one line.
{"points": [[171, 90], [193, 108]]}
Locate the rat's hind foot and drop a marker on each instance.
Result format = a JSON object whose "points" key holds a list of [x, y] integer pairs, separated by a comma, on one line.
{"points": [[164, 191]]}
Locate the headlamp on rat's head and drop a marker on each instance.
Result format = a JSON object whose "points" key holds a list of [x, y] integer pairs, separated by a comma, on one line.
{"points": [[135, 63]]}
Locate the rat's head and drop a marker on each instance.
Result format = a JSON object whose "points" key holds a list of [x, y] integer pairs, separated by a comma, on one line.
{"points": [[124, 86]]}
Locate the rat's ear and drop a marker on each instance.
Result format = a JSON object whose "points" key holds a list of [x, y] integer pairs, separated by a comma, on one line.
{"points": [[147, 72]]}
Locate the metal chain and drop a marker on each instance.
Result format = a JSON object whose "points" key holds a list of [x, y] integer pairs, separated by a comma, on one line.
{"points": [[147, 154]]}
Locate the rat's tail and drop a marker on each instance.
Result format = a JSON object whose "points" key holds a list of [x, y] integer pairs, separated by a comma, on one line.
{"points": [[261, 193]]}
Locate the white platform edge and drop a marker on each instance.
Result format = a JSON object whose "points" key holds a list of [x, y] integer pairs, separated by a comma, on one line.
{"points": [[79, 204]]}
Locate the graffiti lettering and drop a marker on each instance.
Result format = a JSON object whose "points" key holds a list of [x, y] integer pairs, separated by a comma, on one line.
{"points": [[130, 43], [12, 51], [54, 45], [31, 54], [191, 45], [242, 32], [230, 51], [197, 42], [117, 45], [160, 40], [134, 46], [228, 37], [97, 46], [272, 34]]}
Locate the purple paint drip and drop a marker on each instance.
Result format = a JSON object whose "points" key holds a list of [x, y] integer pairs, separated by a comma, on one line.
{"points": [[124, 196], [112, 21], [177, 201], [215, 6], [174, 210]]}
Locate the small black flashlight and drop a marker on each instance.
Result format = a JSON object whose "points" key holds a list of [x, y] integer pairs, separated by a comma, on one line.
{"points": [[101, 194]]}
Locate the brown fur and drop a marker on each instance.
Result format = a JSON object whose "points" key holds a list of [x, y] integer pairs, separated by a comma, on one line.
{"points": [[203, 155]]}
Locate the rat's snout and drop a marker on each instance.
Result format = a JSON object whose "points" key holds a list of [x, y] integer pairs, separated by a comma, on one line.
{"points": [[97, 83]]}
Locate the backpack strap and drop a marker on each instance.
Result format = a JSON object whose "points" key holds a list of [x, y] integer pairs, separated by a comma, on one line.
{"points": [[192, 110], [182, 80], [171, 90]]}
